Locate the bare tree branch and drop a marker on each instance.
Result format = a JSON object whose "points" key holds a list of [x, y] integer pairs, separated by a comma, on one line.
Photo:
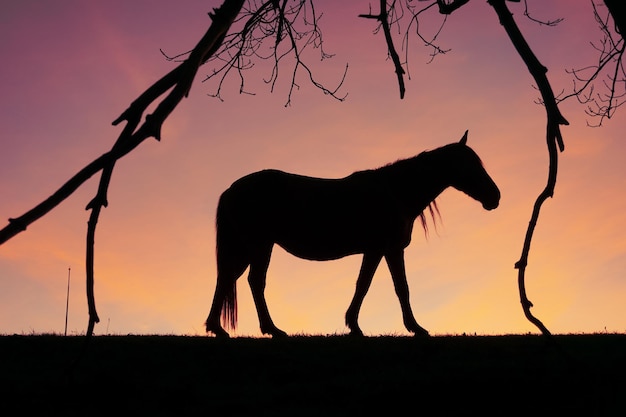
{"points": [[608, 70], [383, 18], [429, 42], [392, 14], [130, 138], [180, 79], [273, 30], [448, 8], [553, 139], [554, 22], [617, 9], [311, 37]]}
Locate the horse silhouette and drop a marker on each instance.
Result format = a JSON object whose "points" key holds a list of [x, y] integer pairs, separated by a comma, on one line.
{"points": [[368, 212]]}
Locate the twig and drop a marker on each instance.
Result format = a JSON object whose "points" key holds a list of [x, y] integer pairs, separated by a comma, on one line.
{"points": [[382, 17], [602, 105], [550, 23]]}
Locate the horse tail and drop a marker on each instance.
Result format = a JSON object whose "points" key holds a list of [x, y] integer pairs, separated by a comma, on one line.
{"points": [[226, 278], [229, 306]]}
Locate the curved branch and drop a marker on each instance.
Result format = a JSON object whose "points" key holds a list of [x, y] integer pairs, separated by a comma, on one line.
{"points": [[208, 44], [542, 22], [553, 139], [133, 116], [179, 81]]}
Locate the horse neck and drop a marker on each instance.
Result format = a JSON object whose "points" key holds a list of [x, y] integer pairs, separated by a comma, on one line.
{"points": [[417, 181]]}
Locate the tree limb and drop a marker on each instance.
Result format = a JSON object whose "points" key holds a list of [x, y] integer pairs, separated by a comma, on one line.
{"points": [[127, 141], [208, 44], [181, 80], [382, 17], [617, 9], [553, 139], [448, 8]]}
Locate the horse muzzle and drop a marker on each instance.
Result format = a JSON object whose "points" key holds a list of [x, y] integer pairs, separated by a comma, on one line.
{"points": [[491, 205]]}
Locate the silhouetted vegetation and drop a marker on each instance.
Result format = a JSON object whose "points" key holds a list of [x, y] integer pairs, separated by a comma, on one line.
{"points": [[316, 376]]}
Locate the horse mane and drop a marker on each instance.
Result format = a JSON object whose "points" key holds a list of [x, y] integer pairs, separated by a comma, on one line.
{"points": [[406, 164], [434, 214]]}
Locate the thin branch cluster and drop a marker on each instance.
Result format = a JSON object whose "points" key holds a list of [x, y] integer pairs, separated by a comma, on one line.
{"points": [[399, 10], [403, 17], [602, 86], [279, 31]]}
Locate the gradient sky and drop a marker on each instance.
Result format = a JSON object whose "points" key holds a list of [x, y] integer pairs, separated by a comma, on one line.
{"points": [[71, 67]]}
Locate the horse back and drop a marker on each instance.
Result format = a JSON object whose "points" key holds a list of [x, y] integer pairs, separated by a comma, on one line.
{"points": [[313, 218]]}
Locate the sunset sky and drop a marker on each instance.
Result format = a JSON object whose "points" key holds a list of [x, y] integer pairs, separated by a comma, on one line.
{"points": [[71, 67]]}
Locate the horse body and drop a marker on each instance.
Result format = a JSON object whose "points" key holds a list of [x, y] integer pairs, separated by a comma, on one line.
{"points": [[369, 212], [316, 219]]}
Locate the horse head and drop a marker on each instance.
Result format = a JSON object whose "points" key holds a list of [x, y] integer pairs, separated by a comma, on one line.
{"points": [[469, 176]]}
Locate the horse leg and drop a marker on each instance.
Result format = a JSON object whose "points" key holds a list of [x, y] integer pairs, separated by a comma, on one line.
{"points": [[229, 269], [257, 279], [368, 267], [395, 262]]}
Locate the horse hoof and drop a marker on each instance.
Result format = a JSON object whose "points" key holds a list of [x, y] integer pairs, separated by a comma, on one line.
{"points": [[421, 333], [219, 333], [356, 333], [279, 334]]}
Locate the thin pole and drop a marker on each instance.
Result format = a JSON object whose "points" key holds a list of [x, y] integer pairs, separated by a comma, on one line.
{"points": [[67, 300]]}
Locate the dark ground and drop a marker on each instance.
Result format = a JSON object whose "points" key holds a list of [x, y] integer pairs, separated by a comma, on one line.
{"points": [[314, 376]]}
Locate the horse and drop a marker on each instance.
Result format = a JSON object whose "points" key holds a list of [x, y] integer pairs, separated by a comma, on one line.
{"points": [[369, 212]]}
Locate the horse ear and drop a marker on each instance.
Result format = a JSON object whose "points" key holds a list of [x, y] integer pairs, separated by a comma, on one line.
{"points": [[464, 138]]}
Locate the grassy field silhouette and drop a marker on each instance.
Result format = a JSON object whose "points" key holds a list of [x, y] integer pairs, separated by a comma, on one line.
{"points": [[315, 375]]}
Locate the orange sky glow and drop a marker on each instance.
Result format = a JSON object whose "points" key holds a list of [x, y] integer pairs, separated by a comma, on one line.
{"points": [[71, 68]]}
